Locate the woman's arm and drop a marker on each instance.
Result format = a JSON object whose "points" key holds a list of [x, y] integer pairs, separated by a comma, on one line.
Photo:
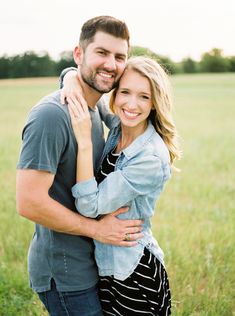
{"points": [[81, 123], [119, 188], [66, 73], [71, 89], [70, 85]]}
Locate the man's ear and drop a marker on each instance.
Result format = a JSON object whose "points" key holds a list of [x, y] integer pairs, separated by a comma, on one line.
{"points": [[78, 55]]}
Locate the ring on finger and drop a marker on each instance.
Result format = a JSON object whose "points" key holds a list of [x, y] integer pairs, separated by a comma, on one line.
{"points": [[128, 237]]}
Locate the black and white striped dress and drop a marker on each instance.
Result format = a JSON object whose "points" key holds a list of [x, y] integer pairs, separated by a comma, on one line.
{"points": [[146, 291]]}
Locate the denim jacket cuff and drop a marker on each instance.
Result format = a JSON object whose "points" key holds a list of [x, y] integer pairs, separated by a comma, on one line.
{"points": [[84, 188], [63, 73]]}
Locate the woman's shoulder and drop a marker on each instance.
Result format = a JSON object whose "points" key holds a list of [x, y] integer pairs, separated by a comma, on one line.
{"points": [[149, 144], [159, 148]]}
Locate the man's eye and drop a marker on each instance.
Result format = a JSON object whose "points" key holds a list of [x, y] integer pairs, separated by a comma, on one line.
{"points": [[120, 58]]}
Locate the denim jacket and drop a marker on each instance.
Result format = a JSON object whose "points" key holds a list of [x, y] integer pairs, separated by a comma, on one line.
{"points": [[140, 173]]}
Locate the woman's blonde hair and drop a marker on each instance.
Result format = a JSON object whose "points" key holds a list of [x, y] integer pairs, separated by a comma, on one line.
{"points": [[160, 116]]}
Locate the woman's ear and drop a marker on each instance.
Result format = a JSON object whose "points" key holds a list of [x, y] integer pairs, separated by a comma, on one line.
{"points": [[78, 55]]}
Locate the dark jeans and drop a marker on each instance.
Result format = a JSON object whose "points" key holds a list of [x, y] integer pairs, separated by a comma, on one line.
{"points": [[77, 303]]}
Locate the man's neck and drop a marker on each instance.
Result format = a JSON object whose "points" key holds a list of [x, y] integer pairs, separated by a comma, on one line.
{"points": [[91, 96]]}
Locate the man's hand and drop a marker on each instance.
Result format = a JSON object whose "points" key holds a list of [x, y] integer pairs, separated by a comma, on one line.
{"points": [[118, 232]]}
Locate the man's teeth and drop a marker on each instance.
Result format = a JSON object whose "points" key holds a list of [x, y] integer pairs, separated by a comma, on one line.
{"points": [[130, 113], [105, 75]]}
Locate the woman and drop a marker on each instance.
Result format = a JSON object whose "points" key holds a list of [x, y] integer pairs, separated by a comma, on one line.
{"points": [[135, 165]]}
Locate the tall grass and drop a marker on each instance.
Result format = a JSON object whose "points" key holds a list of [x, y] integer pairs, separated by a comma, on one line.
{"points": [[17, 97], [194, 222]]}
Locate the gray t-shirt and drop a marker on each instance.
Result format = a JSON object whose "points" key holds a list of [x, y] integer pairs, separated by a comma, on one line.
{"points": [[49, 144]]}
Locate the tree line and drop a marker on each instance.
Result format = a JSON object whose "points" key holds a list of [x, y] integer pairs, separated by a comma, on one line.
{"points": [[32, 64]]}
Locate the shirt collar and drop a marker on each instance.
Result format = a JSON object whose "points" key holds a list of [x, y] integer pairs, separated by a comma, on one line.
{"points": [[138, 144]]}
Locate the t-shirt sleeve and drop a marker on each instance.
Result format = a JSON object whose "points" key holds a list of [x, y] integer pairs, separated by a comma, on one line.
{"points": [[44, 139]]}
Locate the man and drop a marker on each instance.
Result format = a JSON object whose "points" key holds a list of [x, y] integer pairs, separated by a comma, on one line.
{"points": [[61, 264]]}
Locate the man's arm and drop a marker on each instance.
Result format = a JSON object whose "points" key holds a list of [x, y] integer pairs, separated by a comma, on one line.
{"points": [[34, 203]]}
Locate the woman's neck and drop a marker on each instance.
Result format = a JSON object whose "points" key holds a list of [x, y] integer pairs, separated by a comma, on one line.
{"points": [[128, 135]]}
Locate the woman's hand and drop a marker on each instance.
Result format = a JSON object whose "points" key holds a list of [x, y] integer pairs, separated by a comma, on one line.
{"points": [[71, 87], [81, 121]]}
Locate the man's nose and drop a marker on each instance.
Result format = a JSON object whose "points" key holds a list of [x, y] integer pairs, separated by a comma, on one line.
{"points": [[110, 63]]}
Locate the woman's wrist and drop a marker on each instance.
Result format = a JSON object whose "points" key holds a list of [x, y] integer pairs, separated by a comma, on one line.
{"points": [[67, 72], [85, 146]]}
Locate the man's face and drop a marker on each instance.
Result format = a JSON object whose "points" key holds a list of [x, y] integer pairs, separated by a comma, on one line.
{"points": [[103, 62]]}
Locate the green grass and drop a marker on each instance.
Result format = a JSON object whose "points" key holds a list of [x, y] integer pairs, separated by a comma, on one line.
{"points": [[195, 217]]}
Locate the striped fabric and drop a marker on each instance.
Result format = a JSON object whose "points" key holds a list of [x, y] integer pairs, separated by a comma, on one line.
{"points": [[107, 166], [145, 292]]}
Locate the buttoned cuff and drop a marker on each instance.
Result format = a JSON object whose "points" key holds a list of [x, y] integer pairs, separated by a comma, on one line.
{"points": [[83, 188]]}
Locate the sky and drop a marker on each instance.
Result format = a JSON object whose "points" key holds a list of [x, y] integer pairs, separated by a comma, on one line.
{"points": [[174, 28]]}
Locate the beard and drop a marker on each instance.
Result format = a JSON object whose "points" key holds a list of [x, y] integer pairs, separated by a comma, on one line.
{"points": [[90, 78]]}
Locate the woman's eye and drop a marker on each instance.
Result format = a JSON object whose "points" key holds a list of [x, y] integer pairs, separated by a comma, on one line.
{"points": [[145, 97]]}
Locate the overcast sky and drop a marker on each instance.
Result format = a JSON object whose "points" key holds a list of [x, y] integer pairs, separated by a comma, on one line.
{"points": [[174, 28]]}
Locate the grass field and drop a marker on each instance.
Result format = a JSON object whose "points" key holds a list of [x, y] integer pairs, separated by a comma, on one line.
{"points": [[195, 221]]}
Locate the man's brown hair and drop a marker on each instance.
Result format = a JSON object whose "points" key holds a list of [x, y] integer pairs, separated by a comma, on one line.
{"points": [[106, 24]]}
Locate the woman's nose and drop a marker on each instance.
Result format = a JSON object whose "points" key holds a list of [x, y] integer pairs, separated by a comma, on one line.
{"points": [[132, 103]]}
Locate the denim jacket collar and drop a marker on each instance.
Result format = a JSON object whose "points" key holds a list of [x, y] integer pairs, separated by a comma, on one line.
{"points": [[138, 144]]}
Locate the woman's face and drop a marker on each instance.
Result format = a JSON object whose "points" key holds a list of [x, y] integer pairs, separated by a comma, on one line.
{"points": [[133, 101]]}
